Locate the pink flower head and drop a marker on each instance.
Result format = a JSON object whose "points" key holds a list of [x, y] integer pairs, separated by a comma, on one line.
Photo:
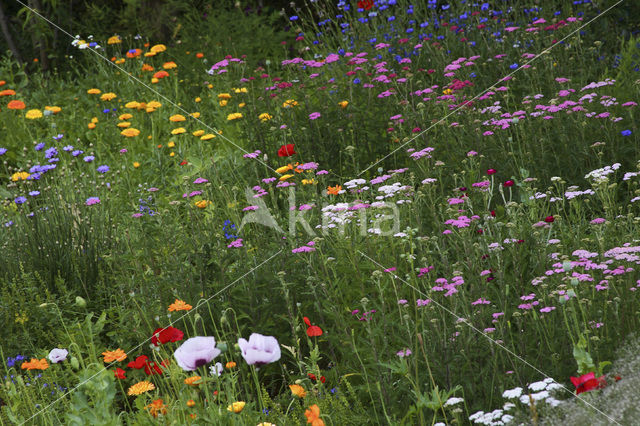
{"points": [[196, 352], [259, 350], [314, 115], [200, 180]]}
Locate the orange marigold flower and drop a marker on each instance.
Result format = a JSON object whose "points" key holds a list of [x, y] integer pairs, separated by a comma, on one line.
{"points": [[108, 96], [35, 364], [140, 388], [158, 48], [16, 105], [199, 55], [191, 403], [236, 407], [169, 65], [91, 126], [179, 305], [161, 74], [192, 381], [177, 117], [156, 407], [147, 67], [117, 355], [207, 137], [134, 53], [153, 104], [94, 91], [334, 190], [130, 132], [2, 82], [230, 365], [125, 116], [7, 92]]}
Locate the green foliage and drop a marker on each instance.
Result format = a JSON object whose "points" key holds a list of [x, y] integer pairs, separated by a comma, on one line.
{"points": [[92, 402]]}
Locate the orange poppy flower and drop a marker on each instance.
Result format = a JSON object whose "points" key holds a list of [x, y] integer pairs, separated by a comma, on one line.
{"points": [[35, 364], [7, 92], [334, 190], [16, 105]]}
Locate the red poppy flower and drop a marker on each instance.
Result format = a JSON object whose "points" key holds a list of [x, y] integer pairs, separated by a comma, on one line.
{"points": [[152, 368], [140, 362], [286, 150], [312, 330], [323, 379], [365, 4], [119, 373], [164, 335], [312, 376], [588, 382], [184, 163], [549, 219]]}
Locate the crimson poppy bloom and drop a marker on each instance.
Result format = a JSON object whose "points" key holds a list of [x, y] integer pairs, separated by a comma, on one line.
{"points": [[152, 368], [312, 330], [588, 382], [365, 4], [139, 362], [286, 150], [165, 335], [549, 219], [119, 373]]}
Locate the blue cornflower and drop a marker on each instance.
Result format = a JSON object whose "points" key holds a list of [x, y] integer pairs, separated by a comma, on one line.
{"points": [[68, 148], [58, 137], [103, 169], [293, 18], [89, 158], [20, 200], [625, 132], [34, 193], [39, 146], [76, 152], [106, 111], [356, 81], [51, 152], [513, 66], [3, 151]]}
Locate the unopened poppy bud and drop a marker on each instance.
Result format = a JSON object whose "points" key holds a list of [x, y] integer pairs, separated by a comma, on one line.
{"points": [[74, 363], [222, 346], [80, 302], [566, 265]]}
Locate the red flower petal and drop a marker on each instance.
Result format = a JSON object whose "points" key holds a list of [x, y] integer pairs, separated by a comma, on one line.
{"points": [[314, 331], [306, 321]]}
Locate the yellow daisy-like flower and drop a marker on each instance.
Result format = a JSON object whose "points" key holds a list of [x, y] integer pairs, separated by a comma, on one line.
{"points": [[117, 355], [178, 131], [198, 133], [158, 48], [298, 391], [195, 114], [130, 132], [33, 114], [284, 169], [54, 109], [169, 65], [140, 388], [124, 124], [179, 305], [202, 204], [308, 181], [154, 80], [154, 104], [176, 118], [234, 116], [223, 102], [172, 154], [241, 90], [120, 61], [285, 177], [266, 424], [91, 126], [150, 109], [19, 176], [197, 99], [230, 365], [136, 164], [192, 381], [241, 105], [94, 120], [125, 116], [171, 144], [265, 117], [148, 54], [156, 407], [207, 137], [132, 104], [94, 91], [236, 407], [108, 96], [447, 91], [343, 104], [224, 96], [289, 103], [114, 39]]}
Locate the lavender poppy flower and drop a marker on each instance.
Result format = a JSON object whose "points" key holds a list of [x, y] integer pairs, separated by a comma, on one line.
{"points": [[196, 352], [259, 350], [57, 355]]}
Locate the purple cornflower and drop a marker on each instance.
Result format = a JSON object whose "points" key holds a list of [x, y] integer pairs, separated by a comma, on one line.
{"points": [[76, 152], [92, 200], [39, 146], [20, 200], [3, 151], [89, 158], [103, 169], [68, 148], [51, 152]]}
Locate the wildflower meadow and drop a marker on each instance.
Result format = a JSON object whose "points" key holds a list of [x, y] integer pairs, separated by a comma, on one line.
{"points": [[386, 212]]}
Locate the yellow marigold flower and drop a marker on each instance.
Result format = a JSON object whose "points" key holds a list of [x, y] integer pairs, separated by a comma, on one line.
{"points": [[147, 67], [125, 116], [198, 133], [191, 403], [265, 116], [266, 424], [136, 164], [114, 39], [447, 91], [285, 177], [224, 96], [171, 144], [130, 132], [177, 117], [283, 169], [234, 116], [198, 99], [192, 381], [150, 109], [54, 109], [132, 104], [236, 407], [35, 364], [33, 114], [195, 114], [124, 124], [19, 176], [179, 305], [169, 65], [230, 365], [289, 103], [202, 204], [178, 131], [142, 105], [298, 391], [108, 96], [148, 54], [154, 80], [94, 91], [343, 104], [172, 154], [154, 104], [223, 102], [241, 105], [158, 48], [207, 137], [140, 388], [91, 126], [156, 407], [94, 120], [117, 355], [308, 181], [120, 61]]}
